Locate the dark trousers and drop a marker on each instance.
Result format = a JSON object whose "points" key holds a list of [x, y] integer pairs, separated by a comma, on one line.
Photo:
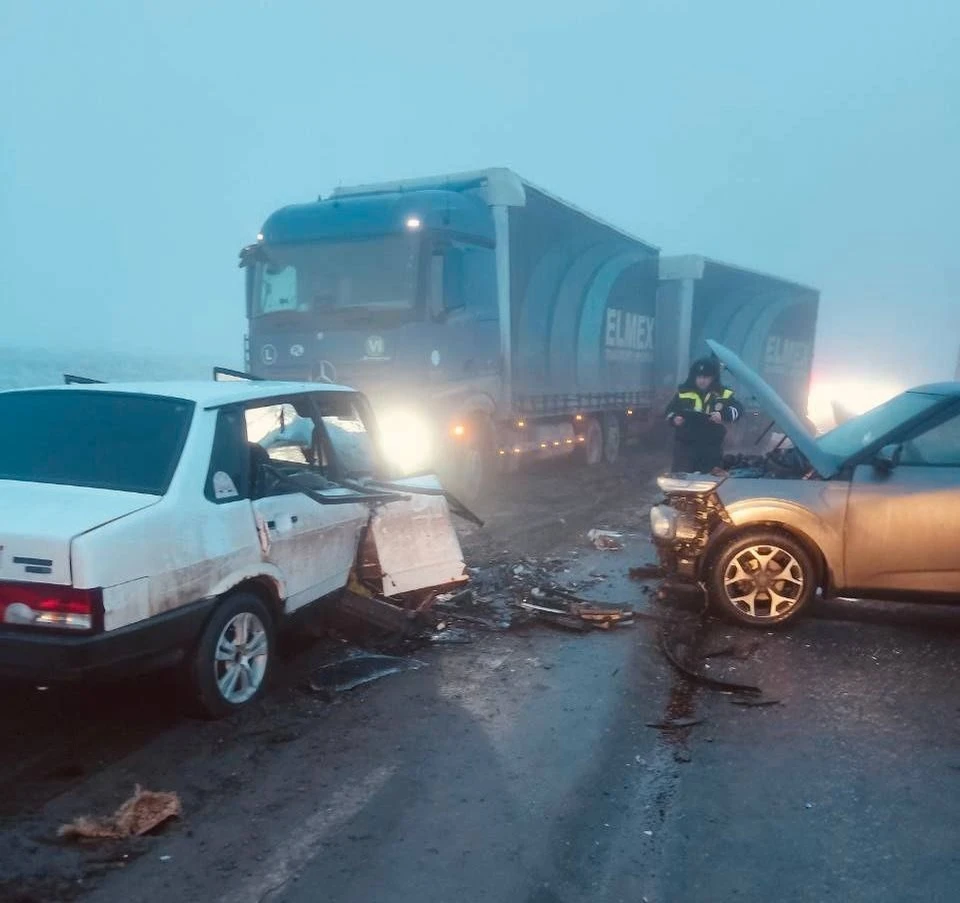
{"points": [[696, 457]]}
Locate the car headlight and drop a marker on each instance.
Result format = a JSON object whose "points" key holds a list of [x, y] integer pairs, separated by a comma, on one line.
{"points": [[406, 440], [689, 486], [663, 522]]}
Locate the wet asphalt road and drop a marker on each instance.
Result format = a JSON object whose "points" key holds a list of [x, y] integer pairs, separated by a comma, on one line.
{"points": [[521, 767]]}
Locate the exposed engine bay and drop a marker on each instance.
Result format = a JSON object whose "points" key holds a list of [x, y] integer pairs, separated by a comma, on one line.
{"points": [[783, 463]]}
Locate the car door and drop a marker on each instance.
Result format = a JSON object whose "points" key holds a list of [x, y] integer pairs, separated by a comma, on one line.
{"points": [[903, 523], [311, 536]]}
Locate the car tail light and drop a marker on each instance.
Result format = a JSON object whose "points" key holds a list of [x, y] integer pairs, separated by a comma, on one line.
{"points": [[56, 607]]}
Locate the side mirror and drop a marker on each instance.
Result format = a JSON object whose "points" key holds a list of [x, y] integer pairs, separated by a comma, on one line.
{"points": [[887, 458]]}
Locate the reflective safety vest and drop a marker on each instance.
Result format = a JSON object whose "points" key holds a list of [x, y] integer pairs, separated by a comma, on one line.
{"points": [[704, 405]]}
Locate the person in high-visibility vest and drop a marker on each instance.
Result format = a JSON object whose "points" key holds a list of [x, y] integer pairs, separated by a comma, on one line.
{"points": [[698, 413]]}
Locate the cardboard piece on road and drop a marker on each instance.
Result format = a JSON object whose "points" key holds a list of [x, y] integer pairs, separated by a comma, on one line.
{"points": [[142, 813]]}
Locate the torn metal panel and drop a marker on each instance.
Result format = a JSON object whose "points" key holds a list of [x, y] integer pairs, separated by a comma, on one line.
{"points": [[416, 545]]}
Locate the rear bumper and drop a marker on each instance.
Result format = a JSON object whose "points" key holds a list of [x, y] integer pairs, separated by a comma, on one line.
{"points": [[155, 643]]}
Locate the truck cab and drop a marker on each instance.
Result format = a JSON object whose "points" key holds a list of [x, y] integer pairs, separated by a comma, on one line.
{"points": [[395, 292]]}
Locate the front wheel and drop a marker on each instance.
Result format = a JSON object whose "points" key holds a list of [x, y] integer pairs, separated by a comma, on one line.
{"points": [[232, 661], [762, 578]]}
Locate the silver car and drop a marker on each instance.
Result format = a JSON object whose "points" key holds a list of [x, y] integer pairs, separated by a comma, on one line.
{"points": [[868, 510]]}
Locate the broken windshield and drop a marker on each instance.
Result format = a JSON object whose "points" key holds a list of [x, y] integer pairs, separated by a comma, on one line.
{"points": [[327, 277]]}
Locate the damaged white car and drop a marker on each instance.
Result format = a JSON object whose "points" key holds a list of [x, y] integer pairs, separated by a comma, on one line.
{"points": [[183, 524]]}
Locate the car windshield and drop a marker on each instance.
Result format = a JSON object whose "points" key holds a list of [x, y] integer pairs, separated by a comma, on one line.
{"points": [[326, 277], [861, 432], [104, 440]]}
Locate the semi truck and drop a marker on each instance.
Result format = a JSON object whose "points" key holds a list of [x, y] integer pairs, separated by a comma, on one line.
{"points": [[490, 322]]}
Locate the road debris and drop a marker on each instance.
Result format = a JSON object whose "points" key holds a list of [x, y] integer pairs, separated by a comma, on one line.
{"points": [[572, 613], [674, 724], [755, 702], [144, 812], [358, 669], [606, 540], [645, 572], [450, 636], [713, 682]]}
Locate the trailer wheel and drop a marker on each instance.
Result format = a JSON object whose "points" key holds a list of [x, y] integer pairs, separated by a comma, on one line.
{"points": [[593, 445], [611, 438]]}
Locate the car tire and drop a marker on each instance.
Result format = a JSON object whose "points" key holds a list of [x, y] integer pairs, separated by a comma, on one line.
{"points": [[208, 674], [762, 578]]}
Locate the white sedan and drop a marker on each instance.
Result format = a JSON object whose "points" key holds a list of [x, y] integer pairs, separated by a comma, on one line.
{"points": [[182, 524]]}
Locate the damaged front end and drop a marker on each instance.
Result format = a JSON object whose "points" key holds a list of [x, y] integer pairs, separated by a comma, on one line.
{"points": [[685, 523], [408, 556], [682, 524]]}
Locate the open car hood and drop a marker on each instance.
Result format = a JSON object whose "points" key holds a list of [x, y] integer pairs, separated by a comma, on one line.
{"points": [[778, 411]]}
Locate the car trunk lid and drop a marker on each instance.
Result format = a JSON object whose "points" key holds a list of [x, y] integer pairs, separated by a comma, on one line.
{"points": [[39, 521]]}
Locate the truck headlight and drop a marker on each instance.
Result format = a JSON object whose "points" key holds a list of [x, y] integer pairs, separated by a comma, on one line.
{"points": [[663, 522], [407, 440]]}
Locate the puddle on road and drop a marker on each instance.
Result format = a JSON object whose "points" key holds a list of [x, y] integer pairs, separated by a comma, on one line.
{"points": [[357, 670]]}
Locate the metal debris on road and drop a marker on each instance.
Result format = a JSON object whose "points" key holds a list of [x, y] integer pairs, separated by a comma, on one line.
{"points": [[337, 677], [606, 540], [754, 702], [574, 614], [144, 812]]}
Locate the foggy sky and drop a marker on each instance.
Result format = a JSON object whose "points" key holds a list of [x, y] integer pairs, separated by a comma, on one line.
{"points": [[140, 148]]}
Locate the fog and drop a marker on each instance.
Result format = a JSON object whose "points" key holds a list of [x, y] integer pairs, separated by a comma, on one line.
{"points": [[143, 144]]}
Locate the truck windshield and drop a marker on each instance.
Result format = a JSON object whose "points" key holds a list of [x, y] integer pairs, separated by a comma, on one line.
{"points": [[326, 277], [104, 440]]}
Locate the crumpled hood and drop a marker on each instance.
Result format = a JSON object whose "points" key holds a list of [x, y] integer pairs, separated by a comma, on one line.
{"points": [[778, 411], [38, 521]]}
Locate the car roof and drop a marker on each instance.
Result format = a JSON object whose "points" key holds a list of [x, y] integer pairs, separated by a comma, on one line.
{"points": [[209, 394]]}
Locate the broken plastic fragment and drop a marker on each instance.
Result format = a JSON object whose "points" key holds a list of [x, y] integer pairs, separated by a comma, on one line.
{"points": [[606, 540], [357, 670]]}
